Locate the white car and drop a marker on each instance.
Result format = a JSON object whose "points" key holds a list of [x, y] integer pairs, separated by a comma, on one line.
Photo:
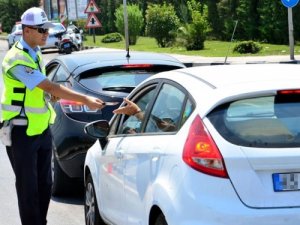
{"points": [[15, 35], [52, 38], [229, 156]]}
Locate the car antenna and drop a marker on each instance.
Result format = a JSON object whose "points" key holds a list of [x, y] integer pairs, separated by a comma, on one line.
{"points": [[126, 28], [236, 22]]}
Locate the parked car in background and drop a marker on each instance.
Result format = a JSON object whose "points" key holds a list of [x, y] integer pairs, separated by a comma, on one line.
{"points": [[231, 157], [53, 40], [110, 76], [15, 35]]}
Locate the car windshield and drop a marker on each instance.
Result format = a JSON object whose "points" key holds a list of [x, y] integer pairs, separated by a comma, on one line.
{"points": [[56, 29], [16, 27], [265, 122]]}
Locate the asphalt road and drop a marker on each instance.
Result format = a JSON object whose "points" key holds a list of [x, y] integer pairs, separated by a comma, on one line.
{"points": [[62, 211]]}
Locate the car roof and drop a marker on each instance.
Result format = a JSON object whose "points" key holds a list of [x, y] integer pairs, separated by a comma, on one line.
{"points": [[91, 59], [215, 85]]}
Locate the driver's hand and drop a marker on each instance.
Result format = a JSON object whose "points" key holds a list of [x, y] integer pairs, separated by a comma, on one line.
{"points": [[129, 109]]}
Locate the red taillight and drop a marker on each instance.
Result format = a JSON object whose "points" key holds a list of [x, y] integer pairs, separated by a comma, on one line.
{"points": [[288, 92], [66, 40], [201, 153], [75, 107], [140, 66]]}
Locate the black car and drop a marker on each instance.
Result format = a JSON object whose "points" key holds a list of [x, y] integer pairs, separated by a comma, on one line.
{"points": [[110, 76]]}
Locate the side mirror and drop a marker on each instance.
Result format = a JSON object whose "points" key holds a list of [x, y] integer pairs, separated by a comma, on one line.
{"points": [[81, 31], [97, 129]]}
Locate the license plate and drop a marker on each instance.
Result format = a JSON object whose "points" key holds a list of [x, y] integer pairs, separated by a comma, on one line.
{"points": [[67, 45], [286, 181]]}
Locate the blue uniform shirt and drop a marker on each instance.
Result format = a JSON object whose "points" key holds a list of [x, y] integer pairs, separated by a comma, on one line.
{"points": [[21, 72]]}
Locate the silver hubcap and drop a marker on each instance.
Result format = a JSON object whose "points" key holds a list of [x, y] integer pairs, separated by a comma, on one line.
{"points": [[90, 205]]}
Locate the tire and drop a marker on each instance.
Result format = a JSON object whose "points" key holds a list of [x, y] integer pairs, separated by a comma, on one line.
{"points": [[61, 184], [91, 210], [68, 50], [161, 220]]}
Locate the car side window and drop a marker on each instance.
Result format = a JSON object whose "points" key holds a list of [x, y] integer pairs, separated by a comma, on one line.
{"points": [[189, 108], [166, 112], [133, 125], [51, 70], [61, 75]]}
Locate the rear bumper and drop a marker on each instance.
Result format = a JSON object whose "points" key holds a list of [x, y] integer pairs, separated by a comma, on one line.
{"points": [[215, 202]]}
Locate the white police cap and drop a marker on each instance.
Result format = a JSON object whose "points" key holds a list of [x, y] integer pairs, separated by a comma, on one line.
{"points": [[36, 17]]}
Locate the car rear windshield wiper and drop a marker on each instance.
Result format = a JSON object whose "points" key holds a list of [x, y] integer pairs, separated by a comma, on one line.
{"points": [[119, 89]]}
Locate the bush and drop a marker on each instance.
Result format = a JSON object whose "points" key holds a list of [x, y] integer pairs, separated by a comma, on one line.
{"points": [[112, 37], [135, 22], [162, 24], [247, 47], [193, 35]]}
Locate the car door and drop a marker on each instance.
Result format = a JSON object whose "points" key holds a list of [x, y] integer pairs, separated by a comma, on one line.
{"points": [[146, 150], [112, 161], [111, 181]]}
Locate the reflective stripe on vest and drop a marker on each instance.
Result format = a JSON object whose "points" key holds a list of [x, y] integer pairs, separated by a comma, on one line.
{"points": [[14, 108]]}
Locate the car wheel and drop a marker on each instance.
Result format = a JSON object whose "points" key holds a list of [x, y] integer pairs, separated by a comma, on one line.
{"points": [[61, 183], [68, 50], [91, 210], [161, 220]]}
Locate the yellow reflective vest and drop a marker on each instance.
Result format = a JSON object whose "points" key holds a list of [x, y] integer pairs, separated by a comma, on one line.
{"points": [[16, 97]]}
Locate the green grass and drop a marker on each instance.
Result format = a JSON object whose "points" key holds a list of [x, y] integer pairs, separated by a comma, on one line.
{"points": [[211, 48]]}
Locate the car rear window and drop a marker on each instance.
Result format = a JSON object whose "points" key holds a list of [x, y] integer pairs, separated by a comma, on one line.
{"points": [[263, 122], [118, 79]]}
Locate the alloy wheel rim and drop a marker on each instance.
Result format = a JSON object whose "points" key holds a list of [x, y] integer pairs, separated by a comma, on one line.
{"points": [[90, 205]]}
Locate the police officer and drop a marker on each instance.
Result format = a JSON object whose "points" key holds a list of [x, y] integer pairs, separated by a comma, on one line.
{"points": [[25, 107]]}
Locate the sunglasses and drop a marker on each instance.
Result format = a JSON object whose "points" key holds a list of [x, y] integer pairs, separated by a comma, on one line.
{"points": [[39, 29]]}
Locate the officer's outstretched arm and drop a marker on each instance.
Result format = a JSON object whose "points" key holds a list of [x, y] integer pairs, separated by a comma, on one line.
{"points": [[66, 93]]}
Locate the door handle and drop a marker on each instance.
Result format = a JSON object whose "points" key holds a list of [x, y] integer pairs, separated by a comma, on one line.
{"points": [[119, 153], [156, 153]]}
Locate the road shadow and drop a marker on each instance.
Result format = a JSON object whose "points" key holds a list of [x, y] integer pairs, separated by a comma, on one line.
{"points": [[75, 196], [79, 200]]}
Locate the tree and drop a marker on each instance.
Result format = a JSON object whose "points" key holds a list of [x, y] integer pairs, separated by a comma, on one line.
{"points": [[214, 20], [228, 14], [249, 20], [11, 11], [194, 34], [107, 15], [135, 22], [274, 22], [162, 23]]}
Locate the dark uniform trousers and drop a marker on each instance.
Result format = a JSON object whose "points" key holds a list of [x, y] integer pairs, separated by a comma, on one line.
{"points": [[30, 157]]}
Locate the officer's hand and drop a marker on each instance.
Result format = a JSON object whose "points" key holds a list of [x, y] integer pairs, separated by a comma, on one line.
{"points": [[54, 98], [94, 103]]}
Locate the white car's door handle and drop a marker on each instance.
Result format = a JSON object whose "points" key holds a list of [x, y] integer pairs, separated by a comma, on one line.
{"points": [[156, 153], [119, 153]]}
